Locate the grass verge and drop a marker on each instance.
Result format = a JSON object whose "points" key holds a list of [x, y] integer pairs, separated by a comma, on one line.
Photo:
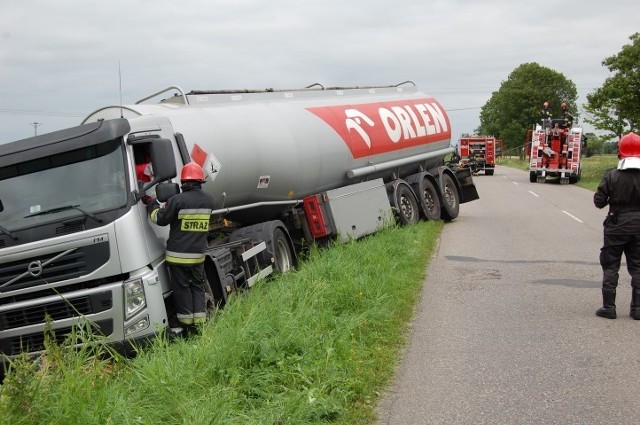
{"points": [[316, 345]]}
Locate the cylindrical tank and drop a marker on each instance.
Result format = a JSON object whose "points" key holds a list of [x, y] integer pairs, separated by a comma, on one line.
{"points": [[284, 145]]}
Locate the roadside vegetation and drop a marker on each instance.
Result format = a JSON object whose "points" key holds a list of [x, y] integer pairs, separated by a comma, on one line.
{"points": [[593, 168], [316, 345]]}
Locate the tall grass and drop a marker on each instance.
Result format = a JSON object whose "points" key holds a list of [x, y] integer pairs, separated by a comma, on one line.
{"points": [[593, 168], [315, 345]]}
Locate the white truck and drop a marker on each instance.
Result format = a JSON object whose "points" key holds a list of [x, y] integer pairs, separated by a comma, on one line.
{"points": [[285, 167]]}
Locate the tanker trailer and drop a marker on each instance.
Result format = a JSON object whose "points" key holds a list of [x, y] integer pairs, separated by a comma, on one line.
{"points": [[285, 168]]}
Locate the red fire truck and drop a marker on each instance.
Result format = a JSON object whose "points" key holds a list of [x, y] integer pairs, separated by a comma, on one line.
{"points": [[479, 153], [555, 153]]}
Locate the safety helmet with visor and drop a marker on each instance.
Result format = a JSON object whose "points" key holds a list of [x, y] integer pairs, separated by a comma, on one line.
{"points": [[192, 172], [629, 152]]}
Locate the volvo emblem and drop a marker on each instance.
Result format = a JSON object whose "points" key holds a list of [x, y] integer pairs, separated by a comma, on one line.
{"points": [[35, 268]]}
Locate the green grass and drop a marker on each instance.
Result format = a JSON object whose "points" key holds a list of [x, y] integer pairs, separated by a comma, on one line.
{"points": [[316, 345], [593, 168]]}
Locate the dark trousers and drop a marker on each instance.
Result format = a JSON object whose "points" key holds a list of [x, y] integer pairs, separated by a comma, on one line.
{"points": [[189, 293], [611, 254]]}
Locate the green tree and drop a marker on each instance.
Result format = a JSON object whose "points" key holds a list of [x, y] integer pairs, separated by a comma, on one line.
{"points": [[615, 107], [515, 107]]}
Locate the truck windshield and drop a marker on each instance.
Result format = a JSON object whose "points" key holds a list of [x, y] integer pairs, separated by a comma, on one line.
{"points": [[81, 182]]}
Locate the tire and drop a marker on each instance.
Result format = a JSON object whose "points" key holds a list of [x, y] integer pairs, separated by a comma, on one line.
{"points": [[575, 178], [406, 205], [532, 177], [429, 200], [450, 198], [279, 252], [211, 302], [283, 257], [488, 172]]}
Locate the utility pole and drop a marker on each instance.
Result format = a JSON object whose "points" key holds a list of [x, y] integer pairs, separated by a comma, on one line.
{"points": [[35, 127]]}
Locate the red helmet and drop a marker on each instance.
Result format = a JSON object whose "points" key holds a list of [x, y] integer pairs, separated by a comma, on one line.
{"points": [[192, 172], [629, 146]]}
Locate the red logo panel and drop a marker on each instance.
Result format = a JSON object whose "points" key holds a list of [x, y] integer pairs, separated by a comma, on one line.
{"points": [[375, 128]]}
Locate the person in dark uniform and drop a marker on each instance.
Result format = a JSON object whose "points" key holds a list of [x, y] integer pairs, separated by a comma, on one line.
{"points": [[620, 189], [566, 115], [187, 214], [545, 115]]}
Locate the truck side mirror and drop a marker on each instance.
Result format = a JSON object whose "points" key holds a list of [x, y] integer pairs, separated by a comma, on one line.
{"points": [[162, 160], [164, 191]]}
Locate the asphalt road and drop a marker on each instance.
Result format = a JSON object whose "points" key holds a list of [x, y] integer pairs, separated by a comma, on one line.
{"points": [[506, 331]]}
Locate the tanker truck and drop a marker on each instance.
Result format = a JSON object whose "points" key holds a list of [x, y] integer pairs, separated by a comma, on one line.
{"points": [[286, 168]]}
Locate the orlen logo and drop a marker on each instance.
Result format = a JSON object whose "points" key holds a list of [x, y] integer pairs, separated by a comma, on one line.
{"points": [[374, 128]]}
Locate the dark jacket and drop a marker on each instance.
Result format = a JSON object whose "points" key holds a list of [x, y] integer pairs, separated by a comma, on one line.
{"points": [[620, 189], [188, 214]]}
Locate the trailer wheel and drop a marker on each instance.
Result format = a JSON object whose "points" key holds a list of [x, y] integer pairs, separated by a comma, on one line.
{"points": [[429, 200], [532, 177], [282, 251], [406, 205], [450, 198]]}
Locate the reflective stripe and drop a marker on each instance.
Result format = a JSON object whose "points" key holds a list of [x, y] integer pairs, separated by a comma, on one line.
{"points": [[184, 261], [194, 216], [194, 219], [199, 318], [190, 225], [154, 215], [194, 213], [187, 319], [186, 255]]}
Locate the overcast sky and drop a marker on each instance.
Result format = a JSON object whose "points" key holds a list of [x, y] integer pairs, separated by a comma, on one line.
{"points": [[61, 59]]}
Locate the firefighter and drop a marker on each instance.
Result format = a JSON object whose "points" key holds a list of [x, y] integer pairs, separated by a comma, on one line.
{"points": [[566, 115], [188, 215], [620, 189], [545, 115]]}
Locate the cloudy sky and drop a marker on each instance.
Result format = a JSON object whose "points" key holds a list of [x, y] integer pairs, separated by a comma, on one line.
{"points": [[62, 59]]}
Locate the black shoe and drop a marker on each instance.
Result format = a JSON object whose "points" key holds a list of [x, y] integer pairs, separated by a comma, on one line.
{"points": [[635, 304], [609, 313]]}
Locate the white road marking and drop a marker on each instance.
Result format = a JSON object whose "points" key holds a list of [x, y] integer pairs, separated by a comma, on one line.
{"points": [[573, 217], [516, 183], [534, 194]]}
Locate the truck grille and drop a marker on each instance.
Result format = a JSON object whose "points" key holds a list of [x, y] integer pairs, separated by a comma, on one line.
{"points": [[72, 264], [56, 310], [35, 341]]}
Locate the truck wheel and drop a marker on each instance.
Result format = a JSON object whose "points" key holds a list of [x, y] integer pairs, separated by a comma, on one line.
{"points": [[532, 177], [429, 200], [211, 301], [282, 251], [450, 198], [406, 205], [574, 178], [488, 172]]}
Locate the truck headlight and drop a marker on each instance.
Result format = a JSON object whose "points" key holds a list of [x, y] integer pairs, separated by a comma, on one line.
{"points": [[134, 298]]}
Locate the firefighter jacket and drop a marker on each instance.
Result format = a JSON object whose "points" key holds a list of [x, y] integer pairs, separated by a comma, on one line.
{"points": [[188, 215], [620, 189]]}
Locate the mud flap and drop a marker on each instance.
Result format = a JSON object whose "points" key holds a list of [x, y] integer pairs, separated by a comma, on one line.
{"points": [[467, 187]]}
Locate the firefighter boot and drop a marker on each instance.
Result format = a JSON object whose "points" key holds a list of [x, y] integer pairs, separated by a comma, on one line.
{"points": [[608, 309], [635, 303]]}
